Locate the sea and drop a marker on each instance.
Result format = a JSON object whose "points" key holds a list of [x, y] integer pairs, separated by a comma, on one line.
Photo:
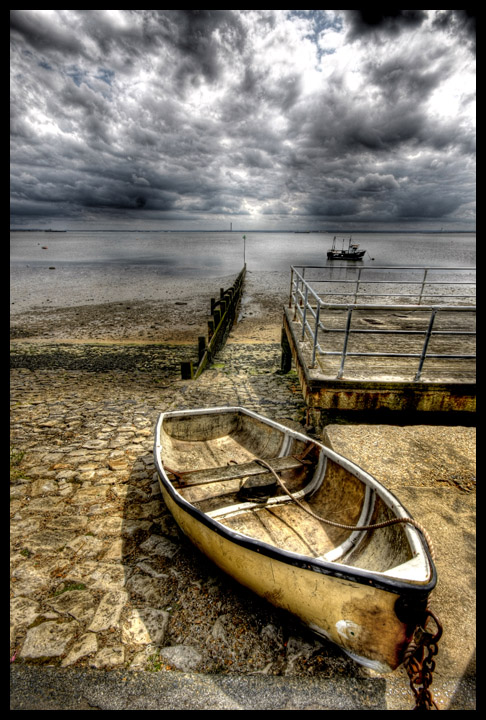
{"points": [[50, 269], [213, 254]]}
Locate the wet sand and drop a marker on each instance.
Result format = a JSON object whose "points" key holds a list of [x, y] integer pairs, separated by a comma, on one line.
{"points": [[168, 310]]}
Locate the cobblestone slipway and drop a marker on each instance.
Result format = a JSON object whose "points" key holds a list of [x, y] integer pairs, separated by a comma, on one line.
{"points": [[102, 580], [100, 575]]}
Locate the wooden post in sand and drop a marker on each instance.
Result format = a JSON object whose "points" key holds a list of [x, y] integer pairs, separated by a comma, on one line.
{"points": [[286, 358], [187, 370], [223, 313]]}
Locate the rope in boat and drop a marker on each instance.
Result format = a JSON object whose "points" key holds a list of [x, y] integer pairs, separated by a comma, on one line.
{"points": [[418, 660], [376, 526]]}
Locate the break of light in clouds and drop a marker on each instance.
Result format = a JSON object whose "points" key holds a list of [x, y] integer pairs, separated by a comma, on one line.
{"points": [[269, 119]]}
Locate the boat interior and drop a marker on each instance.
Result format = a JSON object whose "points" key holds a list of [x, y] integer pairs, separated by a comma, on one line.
{"points": [[212, 460]]}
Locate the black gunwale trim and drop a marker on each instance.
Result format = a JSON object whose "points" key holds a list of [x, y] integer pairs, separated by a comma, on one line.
{"points": [[341, 572]]}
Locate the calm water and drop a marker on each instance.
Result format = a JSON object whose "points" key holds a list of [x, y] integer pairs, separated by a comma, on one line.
{"points": [[207, 254]]}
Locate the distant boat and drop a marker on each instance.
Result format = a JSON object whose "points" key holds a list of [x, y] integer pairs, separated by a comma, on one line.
{"points": [[352, 252]]}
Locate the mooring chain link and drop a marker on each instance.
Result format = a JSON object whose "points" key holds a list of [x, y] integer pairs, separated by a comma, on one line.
{"points": [[420, 664]]}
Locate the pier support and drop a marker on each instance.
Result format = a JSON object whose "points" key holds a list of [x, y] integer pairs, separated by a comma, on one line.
{"points": [[187, 370]]}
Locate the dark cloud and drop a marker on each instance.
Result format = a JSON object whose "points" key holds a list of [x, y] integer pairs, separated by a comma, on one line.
{"points": [[203, 38], [402, 78], [386, 22], [274, 116], [383, 24], [458, 22], [40, 34]]}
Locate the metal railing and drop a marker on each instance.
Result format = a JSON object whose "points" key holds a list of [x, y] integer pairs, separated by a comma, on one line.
{"points": [[309, 306]]}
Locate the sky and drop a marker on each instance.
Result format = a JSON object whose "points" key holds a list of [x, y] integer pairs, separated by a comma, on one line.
{"points": [[250, 119]]}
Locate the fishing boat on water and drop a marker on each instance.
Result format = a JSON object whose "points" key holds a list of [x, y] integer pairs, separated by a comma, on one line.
{"points": [[300, 525], [350, 253]]}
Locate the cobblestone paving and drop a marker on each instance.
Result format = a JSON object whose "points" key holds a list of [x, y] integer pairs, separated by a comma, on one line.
{"points": [[100, 575]]}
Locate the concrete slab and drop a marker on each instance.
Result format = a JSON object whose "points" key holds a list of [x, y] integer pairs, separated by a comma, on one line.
{"points": [[37, 688]]}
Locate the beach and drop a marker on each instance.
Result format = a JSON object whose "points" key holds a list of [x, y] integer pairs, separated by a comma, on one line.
{"points": [[157, 287], [176, 310], [102, 580]]}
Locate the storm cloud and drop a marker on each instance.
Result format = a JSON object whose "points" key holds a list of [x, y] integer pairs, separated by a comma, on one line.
{"points": [[269, 119]]}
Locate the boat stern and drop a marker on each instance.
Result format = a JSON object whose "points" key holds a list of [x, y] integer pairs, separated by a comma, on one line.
{"points": [[372, 626]]}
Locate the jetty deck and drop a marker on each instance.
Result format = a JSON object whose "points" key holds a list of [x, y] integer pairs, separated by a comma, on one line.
{"points": [[389, 339]]}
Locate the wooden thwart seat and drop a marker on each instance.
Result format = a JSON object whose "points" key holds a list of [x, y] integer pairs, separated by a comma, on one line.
{"points": [[232, 472]]}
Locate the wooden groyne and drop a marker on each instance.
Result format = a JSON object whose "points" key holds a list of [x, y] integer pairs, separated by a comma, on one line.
{"points": [[223, 313]]}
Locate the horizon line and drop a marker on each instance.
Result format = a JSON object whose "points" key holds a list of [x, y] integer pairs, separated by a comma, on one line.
{"points": [[336, 231]]}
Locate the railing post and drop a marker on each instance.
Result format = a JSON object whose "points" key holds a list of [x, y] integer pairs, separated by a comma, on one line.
{"points": [[296, 296], [302, 277], [345, 346], [305, 311], [426, 343], [426, 270], [316, 330]]}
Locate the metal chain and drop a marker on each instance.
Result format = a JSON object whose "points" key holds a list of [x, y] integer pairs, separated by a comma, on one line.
{"points": [[420, 666]]}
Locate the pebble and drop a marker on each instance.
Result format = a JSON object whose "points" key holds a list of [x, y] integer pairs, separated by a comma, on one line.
{"points": [[182, 657], [49, 639]]}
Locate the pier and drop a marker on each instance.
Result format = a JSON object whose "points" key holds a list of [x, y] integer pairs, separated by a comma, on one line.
{"points": [[382, 339]]}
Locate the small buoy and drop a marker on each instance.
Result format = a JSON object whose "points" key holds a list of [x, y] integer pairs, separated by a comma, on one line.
{"points": [[44, 247]]}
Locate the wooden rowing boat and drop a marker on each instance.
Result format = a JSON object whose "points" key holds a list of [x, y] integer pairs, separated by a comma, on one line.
{"points": [[222, 474]]}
